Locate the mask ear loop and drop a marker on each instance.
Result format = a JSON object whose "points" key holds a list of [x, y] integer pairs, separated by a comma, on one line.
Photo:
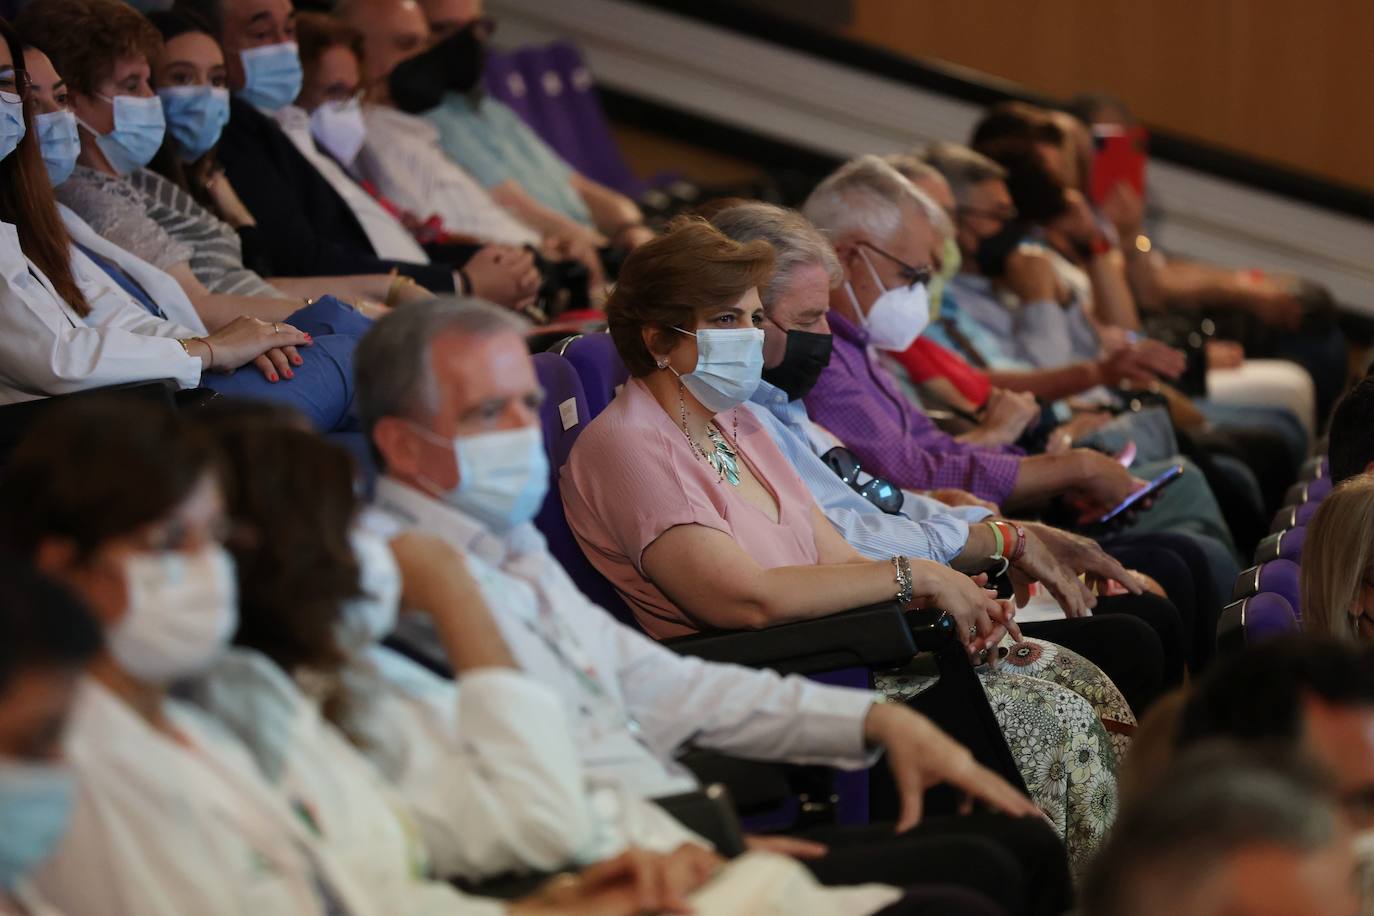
{"points": [[877, 281], [435, 439]]}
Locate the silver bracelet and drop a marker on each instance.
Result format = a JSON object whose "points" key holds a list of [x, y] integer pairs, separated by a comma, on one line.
{"points": [[903, 572]]}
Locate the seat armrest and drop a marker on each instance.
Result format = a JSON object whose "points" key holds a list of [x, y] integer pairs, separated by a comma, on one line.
{"points": [[878, 636], [15, 419]]}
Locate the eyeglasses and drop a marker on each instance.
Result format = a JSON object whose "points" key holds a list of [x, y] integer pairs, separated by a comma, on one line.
{"points": [[911, 276], [14, 85], [881, 493]]}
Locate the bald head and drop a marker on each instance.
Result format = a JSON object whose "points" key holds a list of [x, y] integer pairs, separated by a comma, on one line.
{"points": [[392, 31]]}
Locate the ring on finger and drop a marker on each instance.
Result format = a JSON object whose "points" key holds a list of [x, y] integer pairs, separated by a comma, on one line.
{"points": [[276, 328]]}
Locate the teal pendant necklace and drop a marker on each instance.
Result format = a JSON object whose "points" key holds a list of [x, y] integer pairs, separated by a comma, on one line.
{"points": [[722, 458]]}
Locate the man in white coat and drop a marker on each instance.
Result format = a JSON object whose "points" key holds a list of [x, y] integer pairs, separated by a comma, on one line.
{"points": [[450, 398]]}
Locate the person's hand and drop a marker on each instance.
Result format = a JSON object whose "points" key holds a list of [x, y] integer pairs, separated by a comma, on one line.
{"points": [[632, 883], [1038, 564], [1083, 556], [1099, 484], [1125, 210], [503, 275], [1008, 413], [1066, 434], [431, 569], [1142, 363], [1224, 354], [580, 247], [1271, 301], [974, 607], [269, 345], [920, 755], [632, 237], [791, 846], [954, 497], [407, 293], [1032, 278]]}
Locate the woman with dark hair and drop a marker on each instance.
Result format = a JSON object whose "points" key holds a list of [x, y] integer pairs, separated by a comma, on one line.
{"points": [[49, 636], [686, 504]]}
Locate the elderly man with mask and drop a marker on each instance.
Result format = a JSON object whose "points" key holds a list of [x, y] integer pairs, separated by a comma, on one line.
{"points": [[451, 399], [883, 521], [883, 230]]}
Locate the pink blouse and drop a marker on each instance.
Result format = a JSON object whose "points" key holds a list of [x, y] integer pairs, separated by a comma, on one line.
{"points": [[633, 475]]}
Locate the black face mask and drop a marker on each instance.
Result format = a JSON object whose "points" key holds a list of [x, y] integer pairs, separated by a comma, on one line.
{"points": [[803, 361], [992, 253], [455, 64]]}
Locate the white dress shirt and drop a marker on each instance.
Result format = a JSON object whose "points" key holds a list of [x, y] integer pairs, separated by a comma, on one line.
{"points": [[166, 828], [364, 824], [633, 704], [47, 349], [402, 156], [390, 239]]}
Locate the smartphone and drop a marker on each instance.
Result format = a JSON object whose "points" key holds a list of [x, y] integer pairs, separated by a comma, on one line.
{"points": [[1145, 492], [1119, 156]]}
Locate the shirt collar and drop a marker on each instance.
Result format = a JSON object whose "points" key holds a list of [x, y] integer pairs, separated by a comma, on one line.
{"points": [[417, 509], [775, 401]]}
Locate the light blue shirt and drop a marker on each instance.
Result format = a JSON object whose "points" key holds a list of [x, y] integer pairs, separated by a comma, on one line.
{"points": [[927, 529], [490, 141]]}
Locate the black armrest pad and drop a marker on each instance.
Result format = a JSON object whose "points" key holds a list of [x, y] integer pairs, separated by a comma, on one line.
{"points": [[15, 419], [875, 637]]}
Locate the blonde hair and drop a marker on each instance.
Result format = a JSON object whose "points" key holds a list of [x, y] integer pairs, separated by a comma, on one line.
{"points": [[1337, 555]]}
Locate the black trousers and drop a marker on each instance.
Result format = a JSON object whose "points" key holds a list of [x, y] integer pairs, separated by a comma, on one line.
{"points": [[1017, 862]]}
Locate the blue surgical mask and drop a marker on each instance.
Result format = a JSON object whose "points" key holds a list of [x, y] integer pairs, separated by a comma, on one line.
{"points": [[138, 131], [11, 126], [36, 802], [503, 476], [729, 366], [60, 143], [195, 117], [272, 76]]}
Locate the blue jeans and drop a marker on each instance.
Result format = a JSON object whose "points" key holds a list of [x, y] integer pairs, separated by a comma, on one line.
{"points": [[322, 388]]}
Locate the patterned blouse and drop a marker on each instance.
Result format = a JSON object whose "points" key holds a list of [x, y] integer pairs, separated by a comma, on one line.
{"points": [[159, 222]]}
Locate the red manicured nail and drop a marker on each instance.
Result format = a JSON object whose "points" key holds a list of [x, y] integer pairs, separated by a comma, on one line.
{"points": [[272, 377], [298, 361], [308, 337], [290, 374]]}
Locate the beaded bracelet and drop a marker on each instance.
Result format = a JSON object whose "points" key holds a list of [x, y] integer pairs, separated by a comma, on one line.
{"points": [[902, 569]]}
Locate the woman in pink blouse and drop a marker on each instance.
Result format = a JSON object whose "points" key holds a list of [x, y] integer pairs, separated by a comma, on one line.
{"points": [[684, 503]]}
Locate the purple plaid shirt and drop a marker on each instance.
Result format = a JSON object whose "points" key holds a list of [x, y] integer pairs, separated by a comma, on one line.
{"points": [[860, 403]]}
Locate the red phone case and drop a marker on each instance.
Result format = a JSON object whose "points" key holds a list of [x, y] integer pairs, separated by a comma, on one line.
{"points": [[1120, 158]]}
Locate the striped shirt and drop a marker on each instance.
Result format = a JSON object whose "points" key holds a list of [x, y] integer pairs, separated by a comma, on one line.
{"points": [[927, 529]]}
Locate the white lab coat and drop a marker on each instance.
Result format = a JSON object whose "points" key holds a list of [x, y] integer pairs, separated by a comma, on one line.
{"points": [[47, 349], [632, 703], [163, 828], [161, 286], [366, 825]]}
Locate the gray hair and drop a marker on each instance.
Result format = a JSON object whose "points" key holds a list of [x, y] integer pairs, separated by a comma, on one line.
{"points": [[795, 242], [962, 167], [391, 367], [911, 167], [866, 195], [1217, 800]]}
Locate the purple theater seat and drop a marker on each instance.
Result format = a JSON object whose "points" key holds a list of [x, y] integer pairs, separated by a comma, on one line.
{"points": [[505, 82], [1285, 545], [1255, 619], [1293, 516], [562, 417], [1318, 489], [599, 367], [1314, 467], [1282, 577]]}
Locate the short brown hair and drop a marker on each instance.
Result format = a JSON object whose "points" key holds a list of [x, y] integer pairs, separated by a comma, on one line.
{"points": [[664, 282], [85, 38], [318, 32]]}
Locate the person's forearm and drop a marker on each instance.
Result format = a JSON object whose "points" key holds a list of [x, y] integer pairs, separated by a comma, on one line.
{"points": [[612, 212], [538, 217], [987, 437], [1050, 384], [1112, 299], [1043, 477], [469, 635], [357, 286], [218, 309], [979, 547]]}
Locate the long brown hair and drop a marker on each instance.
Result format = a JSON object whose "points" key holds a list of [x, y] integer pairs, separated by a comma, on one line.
{"points": [[1337, 557], [26, 198]]}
